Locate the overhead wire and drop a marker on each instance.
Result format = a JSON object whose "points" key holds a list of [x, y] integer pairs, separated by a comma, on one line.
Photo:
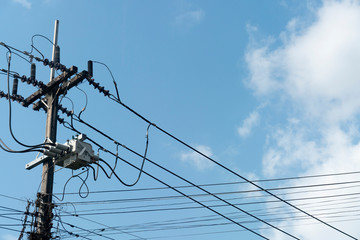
{"points": [[238, 191], [224, 167], [112, 76], [207, 218], [83, 184], [145, 158], [33, 47], [191, 198], [168, 206], [166, 184], [80, 120], [245, 179], [10, 109], [104, 225]]}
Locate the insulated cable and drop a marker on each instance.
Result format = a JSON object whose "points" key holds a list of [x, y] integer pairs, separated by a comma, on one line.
{"points": [[185, 195]]}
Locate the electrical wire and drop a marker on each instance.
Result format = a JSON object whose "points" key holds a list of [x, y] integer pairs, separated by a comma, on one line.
{"points": [[104, 225], [226, 183], [83, 184], [207, 218], [33, 47], [71, 127], [183, 179], [245, 179], [86, 102], [227, 193], [10, 109], [226, 168], [116, 155], [112, 76], [21, 57], [200, 203], [157, 179]]}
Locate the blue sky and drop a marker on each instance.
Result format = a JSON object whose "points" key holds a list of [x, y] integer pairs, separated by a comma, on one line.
{"points": [[267, 88]]}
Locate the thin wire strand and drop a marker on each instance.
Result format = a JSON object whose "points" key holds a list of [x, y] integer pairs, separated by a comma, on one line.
{"points": [[233, 172]]}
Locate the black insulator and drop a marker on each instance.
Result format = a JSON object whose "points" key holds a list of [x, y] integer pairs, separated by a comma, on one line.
{"points": [[41, 84], [90, 68], [23, 78], [51, 64], [16, 75], [91, 81], [96, 85], [57, 54], [2, 94], [34, 83], [29, 80], [106, 92], [61, 120], [62, 68], [46, 62], [15, 86], [101, 89], [33, 72]]}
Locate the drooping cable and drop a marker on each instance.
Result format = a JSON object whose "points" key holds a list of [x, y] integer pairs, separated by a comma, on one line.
{"points": [[185, 180], [226, 168], [10, 109], [185, 195], [192, 199], [33, 47], [116, 155], [81, 186], [86, 101], [116, 158], [112, 76]]}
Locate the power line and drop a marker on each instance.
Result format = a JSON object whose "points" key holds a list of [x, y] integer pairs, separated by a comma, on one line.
{"points": [[185, 195], [112, 97], [237, 192], [245, 179]]}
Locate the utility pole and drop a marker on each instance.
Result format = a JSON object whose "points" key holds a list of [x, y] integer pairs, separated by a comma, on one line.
{"points": [[45, 196]]}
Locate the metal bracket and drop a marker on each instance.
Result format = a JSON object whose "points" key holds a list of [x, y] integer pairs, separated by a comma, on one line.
{"points": [[36, 162]]}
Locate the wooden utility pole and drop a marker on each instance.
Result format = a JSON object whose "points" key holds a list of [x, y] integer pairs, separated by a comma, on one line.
{"points": [[45, 196]]}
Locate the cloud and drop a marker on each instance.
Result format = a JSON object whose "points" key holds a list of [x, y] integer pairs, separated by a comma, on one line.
{"points": [[196, 159], [312, 72], [245, 129], [316, 66], [190, 18], [24, 3]]}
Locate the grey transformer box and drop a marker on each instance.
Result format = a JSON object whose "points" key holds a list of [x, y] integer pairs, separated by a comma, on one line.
{"points": [[79, 155], [74, 154]]}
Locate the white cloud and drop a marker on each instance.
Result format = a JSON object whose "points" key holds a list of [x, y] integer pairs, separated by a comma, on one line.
{"points": [[245, 129], [24, 3], [317, 66], [315, 73], [190, 18], [195, 159]]}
